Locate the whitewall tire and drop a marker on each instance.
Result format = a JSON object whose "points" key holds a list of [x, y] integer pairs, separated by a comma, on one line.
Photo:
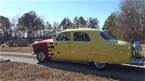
{"points": [[41, 57], [100, 66]]}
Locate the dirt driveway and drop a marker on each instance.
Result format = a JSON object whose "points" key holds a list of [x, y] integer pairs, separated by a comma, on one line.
{"points": [[16, 49]]}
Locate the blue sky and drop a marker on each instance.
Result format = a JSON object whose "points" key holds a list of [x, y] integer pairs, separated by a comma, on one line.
{"points": [[56, 10]]}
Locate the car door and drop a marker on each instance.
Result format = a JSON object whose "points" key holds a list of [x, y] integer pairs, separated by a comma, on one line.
{"points": [[80, 46], [62, 46]]}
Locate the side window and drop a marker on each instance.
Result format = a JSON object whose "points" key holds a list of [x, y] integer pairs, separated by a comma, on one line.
{"points": [[80, 36], [63, 37]]}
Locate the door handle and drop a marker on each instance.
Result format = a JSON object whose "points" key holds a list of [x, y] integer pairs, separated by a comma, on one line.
{"points": [[55, 43], [67, 43], [58, 52]]}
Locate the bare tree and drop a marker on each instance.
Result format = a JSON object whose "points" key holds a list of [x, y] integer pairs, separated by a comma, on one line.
{"points": [[131, 19], [49, 29], [55, 27]]}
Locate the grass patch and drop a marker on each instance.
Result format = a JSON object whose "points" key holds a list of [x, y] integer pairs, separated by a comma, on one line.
{"points": [[13, 71]]}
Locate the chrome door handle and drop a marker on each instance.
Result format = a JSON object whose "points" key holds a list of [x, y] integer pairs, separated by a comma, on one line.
{"points": [[67, 43], [55, 43]]}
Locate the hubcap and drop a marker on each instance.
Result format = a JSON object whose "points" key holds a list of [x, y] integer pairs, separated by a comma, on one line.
{"points": [[99, 65], [41, 56]]}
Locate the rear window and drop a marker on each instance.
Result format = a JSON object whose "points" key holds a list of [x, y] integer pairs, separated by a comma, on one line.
{"points": [[106, 36]]}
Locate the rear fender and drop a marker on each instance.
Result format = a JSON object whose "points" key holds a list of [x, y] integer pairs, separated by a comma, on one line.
{"points": [[100, 58]]}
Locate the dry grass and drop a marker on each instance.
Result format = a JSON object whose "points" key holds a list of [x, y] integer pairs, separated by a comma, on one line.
{"points": [[16, 49], [12, 71]]}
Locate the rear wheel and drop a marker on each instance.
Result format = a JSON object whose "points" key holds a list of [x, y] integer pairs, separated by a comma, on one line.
{"points": [[41, 56], [100, 66]]}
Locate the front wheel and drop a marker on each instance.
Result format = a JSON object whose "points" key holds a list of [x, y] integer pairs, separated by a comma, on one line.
{"points": [[41, 57], [100, 66]]}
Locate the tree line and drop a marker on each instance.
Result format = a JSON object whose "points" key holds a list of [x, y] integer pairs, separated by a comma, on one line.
{"points": [[30, 25], [127, 23]]}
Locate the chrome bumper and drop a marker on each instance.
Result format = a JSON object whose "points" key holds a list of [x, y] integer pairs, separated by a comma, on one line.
{"points": [[138, 61]]}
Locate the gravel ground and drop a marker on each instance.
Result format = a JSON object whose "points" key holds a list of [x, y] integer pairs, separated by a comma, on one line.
{"points": [[14, 71]]}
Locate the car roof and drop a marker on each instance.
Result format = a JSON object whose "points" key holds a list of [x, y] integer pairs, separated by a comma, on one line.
{"points": [[80, 29]]}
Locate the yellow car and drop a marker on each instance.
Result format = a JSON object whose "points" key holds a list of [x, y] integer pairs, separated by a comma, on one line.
{"points": [[87, 45]]}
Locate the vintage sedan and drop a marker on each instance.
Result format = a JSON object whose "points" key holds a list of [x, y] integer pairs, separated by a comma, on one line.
{"points": [[89, 46]]}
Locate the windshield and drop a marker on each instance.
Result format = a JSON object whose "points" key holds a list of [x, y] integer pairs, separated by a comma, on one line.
{"points": [[106, 36]]}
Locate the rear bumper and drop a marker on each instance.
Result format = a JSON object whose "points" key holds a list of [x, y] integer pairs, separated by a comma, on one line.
{"points": [[138, 61]]}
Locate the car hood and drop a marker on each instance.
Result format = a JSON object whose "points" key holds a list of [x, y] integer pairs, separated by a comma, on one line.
{"points": [[43, 41], [47, 40]]}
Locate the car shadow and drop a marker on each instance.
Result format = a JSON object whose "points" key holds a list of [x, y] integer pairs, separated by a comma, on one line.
{"points": [[119, 72]]}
